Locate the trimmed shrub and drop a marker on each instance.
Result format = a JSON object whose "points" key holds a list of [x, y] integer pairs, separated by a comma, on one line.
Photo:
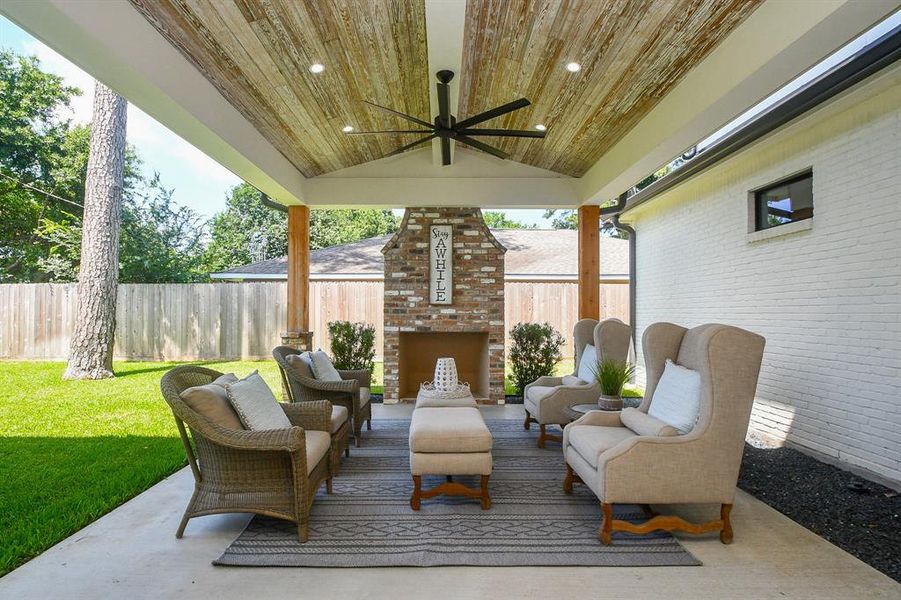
{"points": [[534, 353], [353, 345]]}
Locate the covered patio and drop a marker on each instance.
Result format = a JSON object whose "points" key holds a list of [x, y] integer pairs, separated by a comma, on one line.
{"points": [[446, 107]]}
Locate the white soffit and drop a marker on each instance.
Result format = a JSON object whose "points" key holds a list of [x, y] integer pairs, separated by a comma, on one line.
{"points": [[778, 41], [115, 44]]}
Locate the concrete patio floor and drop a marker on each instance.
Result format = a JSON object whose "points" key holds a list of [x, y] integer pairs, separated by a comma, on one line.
{"points": [[132, 553]]}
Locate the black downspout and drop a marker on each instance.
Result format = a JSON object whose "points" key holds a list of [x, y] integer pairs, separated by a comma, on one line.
{"points": [[632, 273], [265, 201], [613, 211]]}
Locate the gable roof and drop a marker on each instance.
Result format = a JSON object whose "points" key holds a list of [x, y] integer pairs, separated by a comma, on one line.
{"points": [[531, 253]]}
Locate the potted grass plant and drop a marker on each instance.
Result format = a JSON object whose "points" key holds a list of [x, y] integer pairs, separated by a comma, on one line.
{"points": [[611, 376]]}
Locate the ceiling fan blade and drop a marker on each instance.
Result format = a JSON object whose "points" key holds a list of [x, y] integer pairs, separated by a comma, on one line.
{"points": [[388, 131], [416, 143], [494, 112], [399, 114], [445, 151], [444, 104], [504, 132], [483, 147]]}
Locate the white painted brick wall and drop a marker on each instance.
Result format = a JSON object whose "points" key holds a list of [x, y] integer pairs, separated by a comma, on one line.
{"points": [[828, 300]]}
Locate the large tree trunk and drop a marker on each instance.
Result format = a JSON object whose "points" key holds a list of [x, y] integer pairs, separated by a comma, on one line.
{"points": [[91, 351]]}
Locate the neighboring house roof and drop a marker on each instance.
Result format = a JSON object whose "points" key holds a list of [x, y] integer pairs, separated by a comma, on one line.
{"points": [[531, 253]]}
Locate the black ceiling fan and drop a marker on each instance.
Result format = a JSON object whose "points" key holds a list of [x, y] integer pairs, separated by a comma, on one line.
{"points": [[446, 127]]}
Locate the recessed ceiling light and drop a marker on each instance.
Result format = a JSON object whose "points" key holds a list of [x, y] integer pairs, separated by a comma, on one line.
{"points": [[573, 67], [317, 68], [540, 127], [347, 128]]}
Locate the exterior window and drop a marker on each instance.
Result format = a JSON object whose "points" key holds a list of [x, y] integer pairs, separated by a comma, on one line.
{"points": [[784, 202]]}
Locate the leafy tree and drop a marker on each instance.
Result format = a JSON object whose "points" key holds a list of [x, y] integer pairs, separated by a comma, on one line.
{"points": [[562, 219], [247, 231], [32, 139], [341, 226], [496, 219]]}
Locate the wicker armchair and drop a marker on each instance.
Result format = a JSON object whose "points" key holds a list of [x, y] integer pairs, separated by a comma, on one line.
{"points": [[352, 392], [260, 472]]}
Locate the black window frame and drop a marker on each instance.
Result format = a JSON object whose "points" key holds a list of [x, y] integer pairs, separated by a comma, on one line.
{"points": [[762, 210]]}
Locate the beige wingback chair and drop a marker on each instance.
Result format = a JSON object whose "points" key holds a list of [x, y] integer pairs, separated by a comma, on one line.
{"points": [[547, 399], [621, 466]]}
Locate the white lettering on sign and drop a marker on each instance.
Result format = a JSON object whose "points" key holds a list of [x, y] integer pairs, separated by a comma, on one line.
{"points": [[441, 264]]}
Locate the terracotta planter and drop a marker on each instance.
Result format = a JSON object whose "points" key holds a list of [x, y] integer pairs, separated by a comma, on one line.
{"points": [[606, 402]]}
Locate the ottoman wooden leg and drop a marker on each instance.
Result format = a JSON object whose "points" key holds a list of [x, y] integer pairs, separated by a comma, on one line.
{"points": [[486, 499], [417, 492]]}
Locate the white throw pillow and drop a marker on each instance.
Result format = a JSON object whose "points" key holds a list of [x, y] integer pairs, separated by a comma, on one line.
{"points": [[588, 364], [677, 397], [256, 405], [323, 369]]}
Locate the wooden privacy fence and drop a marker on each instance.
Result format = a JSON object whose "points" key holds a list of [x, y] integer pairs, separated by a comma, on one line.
{"points": [[199, 321]]}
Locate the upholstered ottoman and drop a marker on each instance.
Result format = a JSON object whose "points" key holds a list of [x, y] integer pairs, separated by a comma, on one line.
{"points": [[449, 441]]}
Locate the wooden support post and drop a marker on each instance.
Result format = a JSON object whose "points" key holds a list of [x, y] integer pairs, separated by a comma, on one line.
{"points": [[298, 333], [589, 262]]}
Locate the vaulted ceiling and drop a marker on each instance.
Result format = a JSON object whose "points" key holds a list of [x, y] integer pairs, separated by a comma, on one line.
{"points": [[258, 52], [631, 53]]}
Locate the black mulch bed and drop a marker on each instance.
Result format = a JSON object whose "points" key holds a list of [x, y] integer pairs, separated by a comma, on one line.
{"points": [[859, 516]]}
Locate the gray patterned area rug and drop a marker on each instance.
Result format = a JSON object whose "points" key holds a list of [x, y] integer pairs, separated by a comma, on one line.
{"points": [[368, 522]]}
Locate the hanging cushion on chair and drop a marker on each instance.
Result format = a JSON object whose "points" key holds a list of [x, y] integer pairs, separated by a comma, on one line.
{"points": [[677, 397], [256, 405], [302, 364], [211, 401], [323, 369], [588, 363]]}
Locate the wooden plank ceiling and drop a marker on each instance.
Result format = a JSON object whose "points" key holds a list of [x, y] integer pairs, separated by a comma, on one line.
{"points": [[632, 54], [258, 52]]}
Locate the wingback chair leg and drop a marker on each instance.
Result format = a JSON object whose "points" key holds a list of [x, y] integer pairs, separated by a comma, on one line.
{"points": [[605, 534], [726, 531], [568, 480], [542, 434], [527, 424]]}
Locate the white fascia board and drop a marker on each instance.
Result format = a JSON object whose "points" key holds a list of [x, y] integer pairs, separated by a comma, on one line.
{"points": [[114, 43], [481, 192], [778, 41]]}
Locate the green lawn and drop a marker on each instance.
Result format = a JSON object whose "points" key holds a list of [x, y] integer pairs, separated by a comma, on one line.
{"points": [[71, 451]]}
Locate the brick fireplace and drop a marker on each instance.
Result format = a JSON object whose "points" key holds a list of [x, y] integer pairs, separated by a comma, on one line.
{"points": [[470, 328]]}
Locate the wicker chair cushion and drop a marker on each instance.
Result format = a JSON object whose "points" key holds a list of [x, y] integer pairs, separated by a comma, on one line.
{"points": [[256, 405], [224, 380], [323, 369], [317, 445], [365, 396], [339, 417], [301, 364], [211, 401]]}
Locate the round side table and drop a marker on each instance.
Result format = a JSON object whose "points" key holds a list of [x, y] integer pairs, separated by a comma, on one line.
{"points": [[578, 410]]}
